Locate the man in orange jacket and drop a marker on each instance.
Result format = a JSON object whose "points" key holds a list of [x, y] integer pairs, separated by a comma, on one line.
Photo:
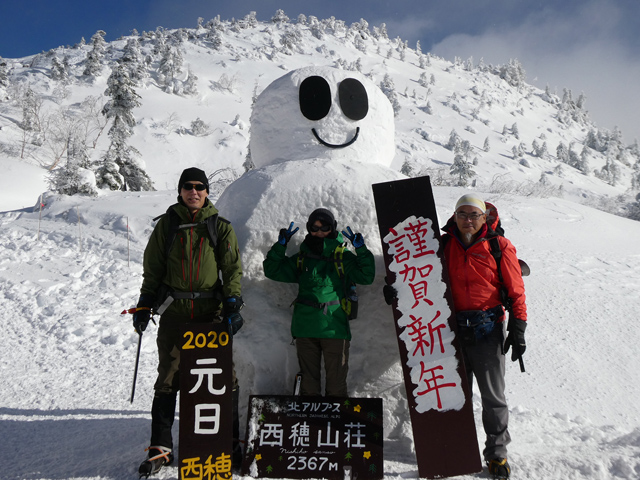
{"points": [[477, 286], [476, 290]]}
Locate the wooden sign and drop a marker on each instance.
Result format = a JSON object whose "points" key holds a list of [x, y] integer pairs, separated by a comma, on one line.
{"points": [[206, 378], [314, 437], [437, 390]]}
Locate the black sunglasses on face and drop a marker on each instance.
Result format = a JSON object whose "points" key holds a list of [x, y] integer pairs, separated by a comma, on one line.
{"points": [[323, 228], [198, 186]]}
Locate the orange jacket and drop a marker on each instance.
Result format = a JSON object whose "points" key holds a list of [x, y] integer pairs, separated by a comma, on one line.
{"points": [[473, 273]]}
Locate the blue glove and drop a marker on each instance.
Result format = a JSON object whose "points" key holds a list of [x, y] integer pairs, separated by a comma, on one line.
{"points": [[142, 315], [232, 317], [357, 240], [286, 234], [235, 322]]}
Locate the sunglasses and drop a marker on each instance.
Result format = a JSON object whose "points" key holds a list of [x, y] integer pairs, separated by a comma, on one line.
{"points": [[190, 186], [323, 228]]}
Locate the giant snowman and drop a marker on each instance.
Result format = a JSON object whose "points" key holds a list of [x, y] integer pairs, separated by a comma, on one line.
{"points": [[320, 137]]}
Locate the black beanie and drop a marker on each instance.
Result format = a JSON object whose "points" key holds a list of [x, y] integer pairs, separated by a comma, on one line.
{"points": [[193, 174], [325, 217]]}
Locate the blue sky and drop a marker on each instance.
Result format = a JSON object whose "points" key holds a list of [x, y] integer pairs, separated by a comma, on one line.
{"points": [[589, 46]]}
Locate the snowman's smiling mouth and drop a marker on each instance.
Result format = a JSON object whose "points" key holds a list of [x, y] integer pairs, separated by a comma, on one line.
{"points": [[331, 145]]}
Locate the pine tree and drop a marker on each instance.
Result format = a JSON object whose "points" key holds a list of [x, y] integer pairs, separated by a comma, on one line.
{"points": [[133, 60], [515, 131], [513, 73], [58, 70], [75, 176], [170, 67], [389, 89], [610, 173], [130, 173], [280, 17], [562, 153], [461, 167], [423, 81], [93, 66], [454, 141], [4, 74], [191, 83], [635, 176]]}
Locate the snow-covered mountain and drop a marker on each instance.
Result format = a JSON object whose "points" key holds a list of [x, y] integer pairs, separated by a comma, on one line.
{"points": [[197, 86], [69, 266]]}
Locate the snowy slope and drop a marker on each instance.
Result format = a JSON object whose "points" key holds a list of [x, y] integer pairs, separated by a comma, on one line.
{"points": [[67, 272], [68, 361]]}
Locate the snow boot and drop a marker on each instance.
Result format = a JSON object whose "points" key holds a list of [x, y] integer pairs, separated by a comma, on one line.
{"points": [[158, 458], [499, 468]]}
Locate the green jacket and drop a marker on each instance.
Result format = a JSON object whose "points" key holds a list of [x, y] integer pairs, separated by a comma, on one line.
{"points": [[319, 282], [192, 265]]}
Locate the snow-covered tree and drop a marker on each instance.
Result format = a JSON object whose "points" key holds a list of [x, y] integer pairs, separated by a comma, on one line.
{"points": [[540, 151], [199, 128], [380, 32], [610, 173], [562, 153], [454, 141], [4, 73], [124, 99], [486, 147], [170, 67], [291, 41], [515, 131], [93, 65], [423, 81], [191, 83], [462, 168], [280, 17], [74, 176], [513, 73], [389, 89], [635, 176], [133, 60], [58, 70]]}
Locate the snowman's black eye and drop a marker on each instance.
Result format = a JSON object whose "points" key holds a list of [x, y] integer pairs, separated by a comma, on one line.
{"points": [[315, 98], [353, 99]]}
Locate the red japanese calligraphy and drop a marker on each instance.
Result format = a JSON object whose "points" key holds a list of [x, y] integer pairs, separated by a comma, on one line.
{"points": [[432, 382], [419, 336], [417, 238]]}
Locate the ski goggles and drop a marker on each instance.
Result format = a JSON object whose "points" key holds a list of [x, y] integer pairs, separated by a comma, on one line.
{"points": [[323, 228], [190, 186]]}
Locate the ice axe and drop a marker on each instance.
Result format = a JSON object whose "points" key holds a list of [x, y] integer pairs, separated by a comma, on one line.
{"points": [[135, 371]]}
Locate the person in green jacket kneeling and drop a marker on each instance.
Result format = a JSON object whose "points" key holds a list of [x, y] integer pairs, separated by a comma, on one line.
{"points": [[326, 273]]}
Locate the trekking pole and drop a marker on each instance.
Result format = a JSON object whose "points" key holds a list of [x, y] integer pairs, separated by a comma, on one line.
{"points": [[135, 370], [520, 361]]}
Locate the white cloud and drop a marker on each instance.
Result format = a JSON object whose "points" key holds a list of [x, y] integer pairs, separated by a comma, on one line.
{"points": [[582, 51]]}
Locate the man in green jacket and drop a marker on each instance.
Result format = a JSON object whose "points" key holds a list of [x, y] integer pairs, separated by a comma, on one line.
{"points": [[320, 322], [181, 282]]}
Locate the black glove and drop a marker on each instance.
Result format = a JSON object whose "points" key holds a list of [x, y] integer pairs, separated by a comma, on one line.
{"points": [[232, 317], [142, 315], [390, 294], [515, 338], [286, 234]]}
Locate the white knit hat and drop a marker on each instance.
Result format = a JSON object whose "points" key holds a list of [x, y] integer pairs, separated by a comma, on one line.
{"points": [[471, 200]]}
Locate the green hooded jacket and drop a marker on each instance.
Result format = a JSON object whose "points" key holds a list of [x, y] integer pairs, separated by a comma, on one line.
{"points": [[319, 282], [192, 264]]}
